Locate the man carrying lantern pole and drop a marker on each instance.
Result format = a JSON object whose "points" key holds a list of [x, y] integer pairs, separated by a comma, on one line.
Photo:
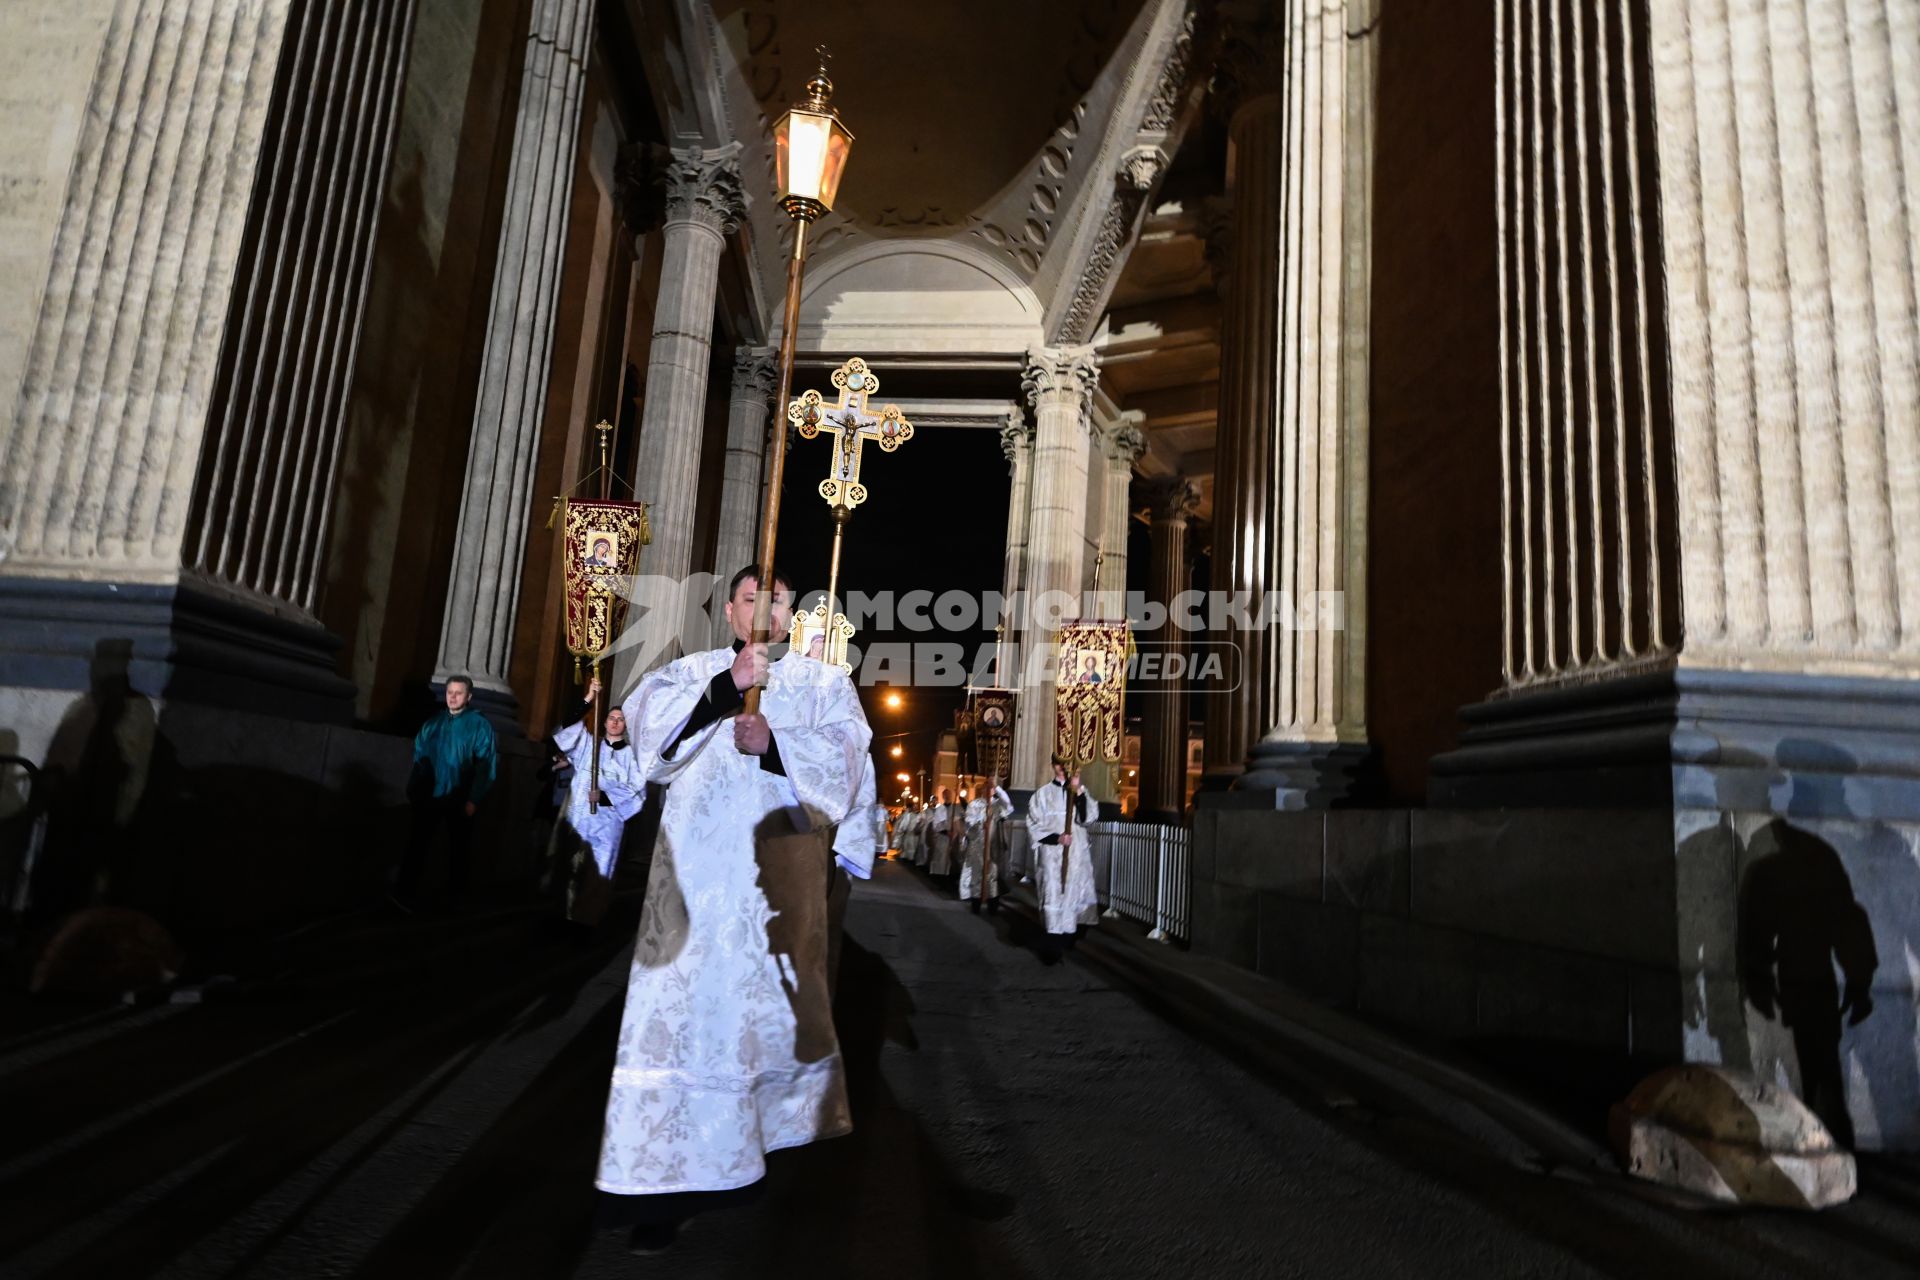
{"points": [[727, 1049]]}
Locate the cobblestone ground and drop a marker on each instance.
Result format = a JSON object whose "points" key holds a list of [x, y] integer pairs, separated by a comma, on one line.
{"points": [[422, 1097]]}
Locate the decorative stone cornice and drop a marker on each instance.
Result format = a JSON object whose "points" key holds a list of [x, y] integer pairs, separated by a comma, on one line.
{"points": [[1163, 109], [1061, 372], [1170, 498], [756, 371], [703, 186]]}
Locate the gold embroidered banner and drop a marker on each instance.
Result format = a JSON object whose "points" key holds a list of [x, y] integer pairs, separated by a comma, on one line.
{"points": [[1090, 698], [600, 546]]}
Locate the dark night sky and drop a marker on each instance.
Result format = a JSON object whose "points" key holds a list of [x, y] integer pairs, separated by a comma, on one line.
{"points": [[935, 520]]}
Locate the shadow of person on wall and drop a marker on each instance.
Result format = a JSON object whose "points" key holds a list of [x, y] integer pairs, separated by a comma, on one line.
{"points": [[100, 757], [1798, 922]]}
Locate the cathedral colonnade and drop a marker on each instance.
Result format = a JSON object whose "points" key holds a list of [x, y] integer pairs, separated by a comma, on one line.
{"points": [[1693, 749]]}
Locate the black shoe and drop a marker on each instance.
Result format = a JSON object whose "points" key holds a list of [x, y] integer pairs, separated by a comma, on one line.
{"points": [[993, 906], [652, 1237], [406, 906], [973, 905]]}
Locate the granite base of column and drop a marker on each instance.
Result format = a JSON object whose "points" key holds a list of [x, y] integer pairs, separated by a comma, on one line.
{"points": [[1295, 775], [1825, 746], [175, 642]]}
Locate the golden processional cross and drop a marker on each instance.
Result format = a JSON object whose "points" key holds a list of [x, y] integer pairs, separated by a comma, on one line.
{"points": [[851, 424]]}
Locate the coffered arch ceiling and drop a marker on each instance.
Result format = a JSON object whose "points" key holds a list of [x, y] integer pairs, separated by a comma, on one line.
{"points": [[989, 123]]}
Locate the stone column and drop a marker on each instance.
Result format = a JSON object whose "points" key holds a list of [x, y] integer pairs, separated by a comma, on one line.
{"points": [[1059, 383], [484, 585], [1710, 432], [167, 471], [755, 371], [1123, 446], [1163, 737], [1312, 668], [704, 206], [1245, 248], [1016, 441]]}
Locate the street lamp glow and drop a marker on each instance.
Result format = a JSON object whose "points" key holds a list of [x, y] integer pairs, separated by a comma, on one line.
{"points": [[893, 701], [903, 777], [898, 751]]}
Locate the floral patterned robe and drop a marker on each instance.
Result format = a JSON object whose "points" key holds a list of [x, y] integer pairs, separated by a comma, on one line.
{"points": [[727, 1049], [1066, 907]]}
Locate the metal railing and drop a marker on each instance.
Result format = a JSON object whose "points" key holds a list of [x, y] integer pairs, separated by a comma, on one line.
{"points": [[1142, 870]]}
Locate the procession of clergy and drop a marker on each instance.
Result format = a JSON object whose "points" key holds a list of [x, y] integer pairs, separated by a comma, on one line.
{"points": [[727, 1049]]}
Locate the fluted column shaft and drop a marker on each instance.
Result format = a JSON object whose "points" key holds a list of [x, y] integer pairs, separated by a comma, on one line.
{"points": [[1123, 446], [1059, 384], [704, 205], [1016, 441], [99, 454], [1794, 340], [484, 588], [1313, 674], [754, 374], [1243, 532], [1163, 735]]}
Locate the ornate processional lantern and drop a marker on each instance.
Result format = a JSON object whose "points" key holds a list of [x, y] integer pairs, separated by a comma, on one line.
{"points": [[810, 150]]}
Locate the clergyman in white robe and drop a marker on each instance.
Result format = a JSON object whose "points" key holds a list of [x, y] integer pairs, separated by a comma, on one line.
{"points": [[974, 843], [940, 820], [1066, 904], [727, 1049], [624, 785]]}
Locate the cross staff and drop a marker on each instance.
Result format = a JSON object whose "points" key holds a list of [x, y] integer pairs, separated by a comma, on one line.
{"points": [[852, 425]]}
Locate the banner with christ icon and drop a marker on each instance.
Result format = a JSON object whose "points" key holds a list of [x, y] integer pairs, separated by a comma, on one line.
{"points": [[600, 549], [1090, 696], [992, 730]]}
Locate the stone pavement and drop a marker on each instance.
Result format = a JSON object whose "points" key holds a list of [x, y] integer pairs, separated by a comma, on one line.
{"points": [[421, 1098]]}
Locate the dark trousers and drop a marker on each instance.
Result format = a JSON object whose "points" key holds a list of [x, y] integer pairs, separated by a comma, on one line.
{"points": [[428, 817]]}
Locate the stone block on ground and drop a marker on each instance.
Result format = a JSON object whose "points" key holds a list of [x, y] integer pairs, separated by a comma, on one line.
{"points": [[1725, 1135]]}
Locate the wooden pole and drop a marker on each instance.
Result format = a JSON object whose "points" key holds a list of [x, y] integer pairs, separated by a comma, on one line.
{"points": [[593, 703], [776, 472]]}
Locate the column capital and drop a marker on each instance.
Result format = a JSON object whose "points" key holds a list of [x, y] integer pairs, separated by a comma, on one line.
{"points": [[756, 371], [1127, 439], [1016, 433], [1170, 499], [1252, 62], [1217, 236], [703, 186], [1066, 371]]}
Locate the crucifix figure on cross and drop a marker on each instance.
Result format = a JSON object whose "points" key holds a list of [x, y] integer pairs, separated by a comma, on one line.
{"points": [[851, 424]]}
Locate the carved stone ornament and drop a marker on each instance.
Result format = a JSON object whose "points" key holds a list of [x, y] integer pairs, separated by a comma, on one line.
{"points": [[1170, 498], [1125, 440], [755, 372], [704, 186], [1015, 434], [1059, 372], [1164, 107]]}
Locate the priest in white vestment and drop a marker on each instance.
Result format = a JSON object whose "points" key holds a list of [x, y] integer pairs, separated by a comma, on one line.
{"points": [[727, 1048], [623, 789], [940, 824], [1068, 901], [973, 845]]}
